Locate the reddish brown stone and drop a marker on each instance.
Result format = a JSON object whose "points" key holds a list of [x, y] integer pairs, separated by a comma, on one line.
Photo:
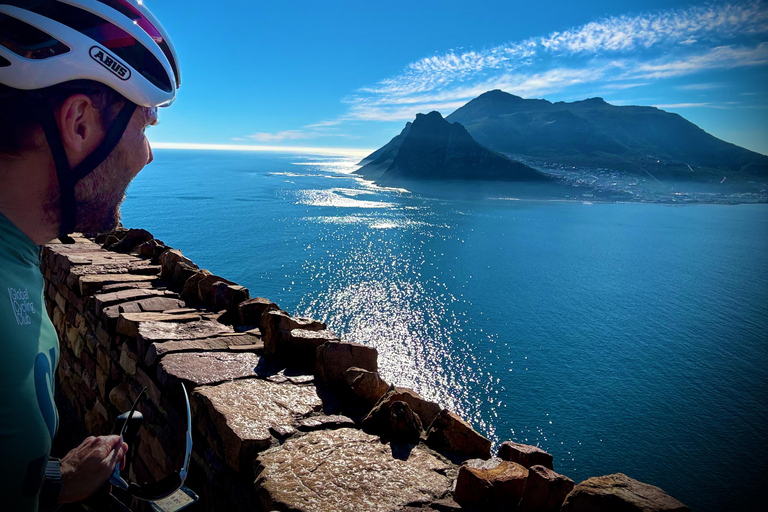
{"points": [[347, 470], [453, 436], [190, 291], [276, 326], [91, 283], [181, 273], [169, 259], [228, 296], [206, 289], [171, 329], [525, 454], [619, 493], [160, 304], [132, 239], [205, 368], [325, 423], [494, 484], [129, 323], [251, 310], [544, 490], [239, 343], [104, 300], [152, 249], [333, 359], [369, 386], [244, 411], [299, 346]]}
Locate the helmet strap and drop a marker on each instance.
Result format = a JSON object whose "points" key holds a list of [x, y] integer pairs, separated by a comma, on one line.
{"points": [[68, 177]]}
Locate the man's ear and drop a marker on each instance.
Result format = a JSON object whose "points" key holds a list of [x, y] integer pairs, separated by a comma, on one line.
{"points": [[80, 127]]}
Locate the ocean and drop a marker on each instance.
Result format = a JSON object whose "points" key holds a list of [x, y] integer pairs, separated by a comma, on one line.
{"points": [[619, 337]]}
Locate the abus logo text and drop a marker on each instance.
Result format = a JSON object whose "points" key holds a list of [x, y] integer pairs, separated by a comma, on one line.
{"points": [[110, 62]]}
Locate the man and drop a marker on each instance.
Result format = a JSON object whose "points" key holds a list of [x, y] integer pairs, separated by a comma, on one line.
{"points": [[80, 80]]}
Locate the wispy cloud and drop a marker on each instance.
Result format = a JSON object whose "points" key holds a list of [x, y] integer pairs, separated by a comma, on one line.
{"points": [[721, 57], [615, 53], [312, 131], [682, 105], [352, 153], [702, 87]]}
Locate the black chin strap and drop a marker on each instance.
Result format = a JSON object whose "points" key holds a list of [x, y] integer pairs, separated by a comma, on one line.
{"points": [[68, 177]]}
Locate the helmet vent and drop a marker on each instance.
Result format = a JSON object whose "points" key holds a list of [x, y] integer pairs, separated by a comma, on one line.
{"points": [[28, 41], [111, 37], [130, 12], [4, 63]]}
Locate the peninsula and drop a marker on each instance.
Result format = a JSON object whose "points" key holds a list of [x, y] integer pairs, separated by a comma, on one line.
{"points": [[431, 148]]}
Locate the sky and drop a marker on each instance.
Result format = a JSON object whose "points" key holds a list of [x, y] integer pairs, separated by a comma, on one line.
{"points": [[350, 74]]}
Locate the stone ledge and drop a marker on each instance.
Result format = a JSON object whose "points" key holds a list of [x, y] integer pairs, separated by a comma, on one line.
{"points": [[344, 470], [273, 405]]}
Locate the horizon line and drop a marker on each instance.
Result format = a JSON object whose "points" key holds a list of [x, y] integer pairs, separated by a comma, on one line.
{"points": [[321, 151]]}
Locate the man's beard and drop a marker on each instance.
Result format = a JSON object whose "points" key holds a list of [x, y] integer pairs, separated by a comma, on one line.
{"points": [[101, 212]]}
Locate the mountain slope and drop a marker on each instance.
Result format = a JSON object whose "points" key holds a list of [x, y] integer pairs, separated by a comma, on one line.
{"points": [[430, 148], [596, 134]]}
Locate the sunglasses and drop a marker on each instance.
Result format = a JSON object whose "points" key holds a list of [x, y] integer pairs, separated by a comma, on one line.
{"points": [[162, 488]]}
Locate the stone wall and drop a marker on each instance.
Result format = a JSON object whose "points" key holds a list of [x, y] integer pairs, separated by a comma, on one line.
{"points": [[286, 416]]}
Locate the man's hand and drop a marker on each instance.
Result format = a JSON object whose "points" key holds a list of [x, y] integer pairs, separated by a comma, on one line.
{"points": [[87, 467]]}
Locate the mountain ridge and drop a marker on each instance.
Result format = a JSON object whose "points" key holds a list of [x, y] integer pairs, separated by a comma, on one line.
{"points": [[431, 148], [594, 133]]}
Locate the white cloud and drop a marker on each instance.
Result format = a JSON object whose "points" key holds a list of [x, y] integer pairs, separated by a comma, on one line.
{"points": [[721, 57], [311, 131], [279, 136], [446, 101], [614, 53], [611, 54], [621, 86], [352, 153], [682, 105], [702, 87]]}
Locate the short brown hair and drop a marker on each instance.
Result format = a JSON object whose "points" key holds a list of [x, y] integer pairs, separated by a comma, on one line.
{"points": [[18, 120]]}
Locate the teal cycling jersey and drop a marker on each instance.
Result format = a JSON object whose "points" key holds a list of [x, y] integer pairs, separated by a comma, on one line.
{"points": [[29, 351]]}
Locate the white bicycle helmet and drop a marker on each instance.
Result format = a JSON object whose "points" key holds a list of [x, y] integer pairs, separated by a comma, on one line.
{"points": [[118, 43]]}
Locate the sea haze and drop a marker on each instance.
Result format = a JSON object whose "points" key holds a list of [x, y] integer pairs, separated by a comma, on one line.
{"points": [[620, 337]]}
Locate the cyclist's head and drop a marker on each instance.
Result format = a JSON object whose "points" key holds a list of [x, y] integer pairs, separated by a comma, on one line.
{"points": [[118, 43], [113, 54]]}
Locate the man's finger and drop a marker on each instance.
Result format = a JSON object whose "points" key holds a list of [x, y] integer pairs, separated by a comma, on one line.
{"points": [[124, 450]]}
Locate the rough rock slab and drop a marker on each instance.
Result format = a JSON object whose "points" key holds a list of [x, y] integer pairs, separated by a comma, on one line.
{"points": [[204, 368], [347, 470], [394, 419], [369, 386], [333, 359], [325, 423], [244, 411], [238, 343], [493, 484], [250, 311], [129, 323], [300, 347], [426, 411], [456, 438], [153, 331], [104, 300], [619, 493], [91, 283], [160, 304], [544, 490], [525, 454]]}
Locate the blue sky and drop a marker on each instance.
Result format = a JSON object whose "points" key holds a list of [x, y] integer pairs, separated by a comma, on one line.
{"points": [[349, 74]]}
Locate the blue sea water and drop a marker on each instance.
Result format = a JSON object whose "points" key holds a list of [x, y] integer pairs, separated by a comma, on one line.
{"points": [[618, 337]]}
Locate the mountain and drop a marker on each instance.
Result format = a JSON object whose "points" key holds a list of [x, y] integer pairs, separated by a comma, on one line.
{"points": [[593, 133], [431, 148]]}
